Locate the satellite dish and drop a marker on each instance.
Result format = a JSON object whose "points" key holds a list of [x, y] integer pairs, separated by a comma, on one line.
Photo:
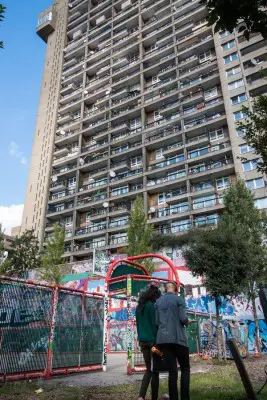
{"points": [[105, 205], [81, 161], [253, 61], [89, 222], [54, 178], [112, 174], [92, 52], [85, 92], [93, 141], [152, 209], [91, 179], [62, 132], [108, 91]]}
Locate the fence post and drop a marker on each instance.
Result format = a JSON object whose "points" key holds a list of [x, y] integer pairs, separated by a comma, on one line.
{"points": [[49, 360], [105, 331], [129, 326]]}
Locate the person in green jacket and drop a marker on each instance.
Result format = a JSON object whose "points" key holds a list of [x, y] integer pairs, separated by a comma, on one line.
{"points": [[147, 332]]}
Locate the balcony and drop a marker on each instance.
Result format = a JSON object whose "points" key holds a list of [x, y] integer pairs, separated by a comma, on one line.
{"points": [[200, 121], [169, 211], [164, 133], [171, 161], [210, 166], [60, 209], [94, 158], [82, 201], [60, 185], [120, 240], [119, 223], [62, 194], [126, 147], [94, 145], [61, 170], [93, 185], [174, 176], [91, 229], [125, 175], [126, 190], [84, 247]]}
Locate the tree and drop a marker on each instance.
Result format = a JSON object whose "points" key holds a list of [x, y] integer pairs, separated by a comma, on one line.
{"points": [[227, 14], [221, 256], [24, 255], [2, 11], [52, 256], [241, 212], [139, 233], [255, 129]]}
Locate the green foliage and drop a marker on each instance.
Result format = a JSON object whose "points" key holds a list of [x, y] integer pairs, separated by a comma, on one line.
{"points": [[255, 128], [24, 255], [52, 256], [2, 11], [226, 15], [139, 234]]}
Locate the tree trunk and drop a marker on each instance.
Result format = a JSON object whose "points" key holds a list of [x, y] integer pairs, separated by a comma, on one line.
{"points": [[255, 315], [218, 328]]}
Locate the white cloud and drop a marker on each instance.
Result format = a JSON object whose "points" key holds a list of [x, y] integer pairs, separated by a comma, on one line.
{"points": [[10, 216], [14, 151]]}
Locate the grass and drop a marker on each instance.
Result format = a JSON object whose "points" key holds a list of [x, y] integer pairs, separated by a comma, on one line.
{"points": [[222, 384]]}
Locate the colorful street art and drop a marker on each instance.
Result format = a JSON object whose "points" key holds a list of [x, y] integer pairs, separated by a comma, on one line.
{"points": [[237, 317]]}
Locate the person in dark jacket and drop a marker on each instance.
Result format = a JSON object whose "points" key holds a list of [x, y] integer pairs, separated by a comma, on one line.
{"points": [[171, 319], [147, 332]]}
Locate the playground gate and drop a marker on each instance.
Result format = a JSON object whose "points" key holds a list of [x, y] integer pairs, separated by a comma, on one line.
{"points": [[47, 330]]}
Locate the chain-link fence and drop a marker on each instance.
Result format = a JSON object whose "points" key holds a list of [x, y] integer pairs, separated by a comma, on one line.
{"points": [[46, 330]]}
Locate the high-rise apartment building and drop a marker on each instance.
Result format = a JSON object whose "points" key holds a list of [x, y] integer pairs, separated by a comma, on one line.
{"points": [[139, 98]]}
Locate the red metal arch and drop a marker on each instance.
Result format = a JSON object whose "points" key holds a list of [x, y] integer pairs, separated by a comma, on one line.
{"points": [[130, 260]]}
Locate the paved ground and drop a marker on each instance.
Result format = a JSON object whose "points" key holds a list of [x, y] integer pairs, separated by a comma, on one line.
{"points": [[115, 374]]}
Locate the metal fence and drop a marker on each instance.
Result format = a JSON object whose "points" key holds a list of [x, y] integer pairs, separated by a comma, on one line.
{"points": [[46, 330]]}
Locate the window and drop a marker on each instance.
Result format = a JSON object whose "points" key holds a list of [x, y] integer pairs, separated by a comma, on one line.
{"points": [[235, 84], [224, 34], [161, 198], [250, 165], [261, 203], [255, 183], [206, 220], [245, 148], [72, 181], [230, 58], [202, 185], [208, 94], [159, 154], [136, 161], [239, 115], [205, 201], [205, 56], [217, 134], [228, 45], [240, 133], [179, 226], [135, 123], [68, 221], [232, 71], [239, 99], [157, 115], [120, 190], [198, 152], [222, 183]]}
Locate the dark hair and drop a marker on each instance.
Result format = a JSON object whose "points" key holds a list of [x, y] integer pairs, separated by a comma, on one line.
{"points": [[151, 294]]}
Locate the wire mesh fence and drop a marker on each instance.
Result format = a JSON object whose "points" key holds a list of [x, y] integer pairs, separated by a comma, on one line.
{"points": [[45, 329]]}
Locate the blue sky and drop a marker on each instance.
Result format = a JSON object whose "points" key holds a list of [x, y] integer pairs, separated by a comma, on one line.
{"points": [[21, 66]]}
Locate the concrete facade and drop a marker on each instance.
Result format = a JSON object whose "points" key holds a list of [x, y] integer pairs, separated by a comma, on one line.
{"points": [[144, 100]]}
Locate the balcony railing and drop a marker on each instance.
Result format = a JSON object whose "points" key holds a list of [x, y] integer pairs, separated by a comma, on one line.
{"points": [[118, 240], [91, 229], [116, 224], [62, 194], [63, 207], [209, 166], [162, 120], [166, 212], [121, 149], [127, 175], [91, 199], [63, 169], [127, 190], [169, 178], [166, 132], [173, 160], [93, 185], [199, 121]]}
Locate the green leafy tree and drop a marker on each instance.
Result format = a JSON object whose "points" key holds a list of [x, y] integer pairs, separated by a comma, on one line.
{"points": [[139, 234], [227, 14], [2, 11], [255, 129], [241, 212], [52, 256], [221, 256], [24, 255]]}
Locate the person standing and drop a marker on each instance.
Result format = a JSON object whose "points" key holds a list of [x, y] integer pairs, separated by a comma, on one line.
{"points": [[147, 331], [171, 320]]}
